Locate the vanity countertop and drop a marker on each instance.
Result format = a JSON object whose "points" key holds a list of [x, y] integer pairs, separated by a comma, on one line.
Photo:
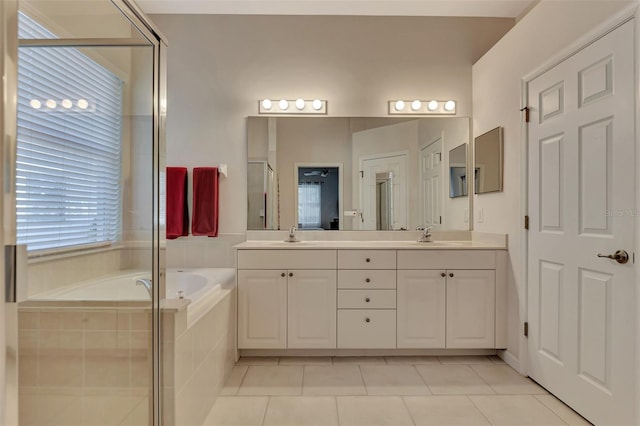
{"points": [[372, 245]]}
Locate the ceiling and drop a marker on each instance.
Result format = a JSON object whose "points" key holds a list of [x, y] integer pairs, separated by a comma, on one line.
{"points": [[469, 8]]}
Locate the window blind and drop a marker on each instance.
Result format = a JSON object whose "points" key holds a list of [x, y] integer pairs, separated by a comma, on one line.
{"points": [[69, 127]]}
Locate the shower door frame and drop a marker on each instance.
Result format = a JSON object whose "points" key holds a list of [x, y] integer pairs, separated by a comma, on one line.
{"points": [[8, 145]]}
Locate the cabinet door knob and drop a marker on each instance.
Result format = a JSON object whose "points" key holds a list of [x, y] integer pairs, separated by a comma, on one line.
{"points": [[367, 320], [367, 300], [442, 274], [368, 259], [283, 274], [451, 274], [368, 280], [290, 274]]}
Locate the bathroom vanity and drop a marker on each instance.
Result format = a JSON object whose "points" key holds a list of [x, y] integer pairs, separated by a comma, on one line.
{"points": [[371, 295]]}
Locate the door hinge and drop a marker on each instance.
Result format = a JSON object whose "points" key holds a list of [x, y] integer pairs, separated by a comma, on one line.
{"points": [[362, 174], [440, 220], [526, 114], [526, 222], [526, 329]]}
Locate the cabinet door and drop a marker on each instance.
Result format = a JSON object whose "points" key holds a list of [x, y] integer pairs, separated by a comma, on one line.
{"points": [[421, 309], [312, 309], [262, 309], [471, 296]]}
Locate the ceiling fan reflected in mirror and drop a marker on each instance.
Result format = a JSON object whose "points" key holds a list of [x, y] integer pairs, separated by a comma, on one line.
{"points": [[321, 173]]}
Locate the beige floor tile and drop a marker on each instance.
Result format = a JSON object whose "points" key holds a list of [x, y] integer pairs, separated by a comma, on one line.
{"points": [[272, 380], [305, 360], [444, 411], [412, 360], [563, 411], [359, 360], [473, 359], [453, 380], [258, 360], [505, 380], [496, 359], [237, 411], [393, 380], [301, 411], [373, 411], [333, 380], [233, 382], [515, 410]]}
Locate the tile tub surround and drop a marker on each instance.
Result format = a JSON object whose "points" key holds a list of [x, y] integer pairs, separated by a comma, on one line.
{"points": [[197, 359], [84, 366], [373, 393]]}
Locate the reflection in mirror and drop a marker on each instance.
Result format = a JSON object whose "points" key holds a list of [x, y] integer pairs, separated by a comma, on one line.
{"points": [[458, 171], [318, 197], [384, 197], [488, 161], [414, 151]]}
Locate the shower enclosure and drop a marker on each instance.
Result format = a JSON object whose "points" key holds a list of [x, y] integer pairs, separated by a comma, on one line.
{"points": [[82, 177]]}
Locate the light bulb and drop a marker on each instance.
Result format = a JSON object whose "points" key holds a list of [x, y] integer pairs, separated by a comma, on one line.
{"points": [[50, 103], [83, 104], [300, 103], [450, 105], [267, 104], [317, 104], [66, 103], [432, 105], [36, 104], [399, 105], [416, 105], [283, 104]]}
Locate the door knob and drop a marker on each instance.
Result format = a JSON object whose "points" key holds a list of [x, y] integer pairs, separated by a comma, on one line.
{"points": [[619, 256]]}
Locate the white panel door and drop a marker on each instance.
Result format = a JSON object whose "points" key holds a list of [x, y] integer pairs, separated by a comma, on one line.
{"points": [[397, 165], [312, 309], [431, 184], [262, 309], [421, 309], [581, 204], [471, 308]]}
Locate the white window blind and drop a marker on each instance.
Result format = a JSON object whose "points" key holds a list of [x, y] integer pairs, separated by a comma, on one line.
{"points": [[309, 198], [68, 190]]}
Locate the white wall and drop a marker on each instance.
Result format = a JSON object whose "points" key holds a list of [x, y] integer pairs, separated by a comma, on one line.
{"points": [[549, 28], [219, 66]]}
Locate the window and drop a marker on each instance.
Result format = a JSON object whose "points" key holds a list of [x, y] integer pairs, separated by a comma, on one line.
{"points": [[309, 197], [68, 190]]}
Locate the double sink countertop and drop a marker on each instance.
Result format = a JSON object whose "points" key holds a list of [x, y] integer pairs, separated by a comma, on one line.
{"points": [[372, 245]]}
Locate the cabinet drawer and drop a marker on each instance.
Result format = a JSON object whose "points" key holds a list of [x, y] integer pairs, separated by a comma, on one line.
{"points": [[366, 299], [286, 259], [360, 279], [446, 259], [366, 259], [366, 329]]}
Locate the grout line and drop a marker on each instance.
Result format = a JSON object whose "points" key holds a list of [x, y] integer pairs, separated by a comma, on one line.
{"points": [[406, 407], [479, 410], [554, 411], [335, 399], [266, 408]]}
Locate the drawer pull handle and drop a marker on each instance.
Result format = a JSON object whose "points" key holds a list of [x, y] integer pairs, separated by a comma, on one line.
{"points": [[451, 274], [290, 274], [283, 274], [367, 300], [368, 280], [442, 274], [367, 320]]}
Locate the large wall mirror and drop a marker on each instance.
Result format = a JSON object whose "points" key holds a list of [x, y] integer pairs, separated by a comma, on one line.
{"points": [[348, 173]]}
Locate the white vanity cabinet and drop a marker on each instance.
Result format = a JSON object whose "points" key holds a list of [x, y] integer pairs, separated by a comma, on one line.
{"points": [[286, 299]]}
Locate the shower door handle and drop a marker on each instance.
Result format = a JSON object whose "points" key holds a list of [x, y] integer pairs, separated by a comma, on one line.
{"points": [[10, 282]]}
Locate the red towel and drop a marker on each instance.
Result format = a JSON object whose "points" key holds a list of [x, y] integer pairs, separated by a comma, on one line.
{"points": [[205, 201], [177, 205]]}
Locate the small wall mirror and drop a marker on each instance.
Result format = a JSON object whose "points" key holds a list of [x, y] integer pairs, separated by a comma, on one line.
{"points": [[488, 163], [458, 171]]}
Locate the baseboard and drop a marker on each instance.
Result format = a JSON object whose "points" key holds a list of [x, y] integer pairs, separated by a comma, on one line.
{"points": [[510, 359]]}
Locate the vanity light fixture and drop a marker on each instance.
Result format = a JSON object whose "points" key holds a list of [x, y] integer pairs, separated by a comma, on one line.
{"points": [[418, 107], [284, 106], [50, 103]]}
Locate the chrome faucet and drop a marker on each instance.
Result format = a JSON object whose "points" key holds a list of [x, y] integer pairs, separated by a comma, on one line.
{"points": [[147, 284], [426, 235], [292, 236]]}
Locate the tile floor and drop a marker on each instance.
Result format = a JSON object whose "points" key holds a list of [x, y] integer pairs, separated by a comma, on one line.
{"points": [[384, 391]]}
